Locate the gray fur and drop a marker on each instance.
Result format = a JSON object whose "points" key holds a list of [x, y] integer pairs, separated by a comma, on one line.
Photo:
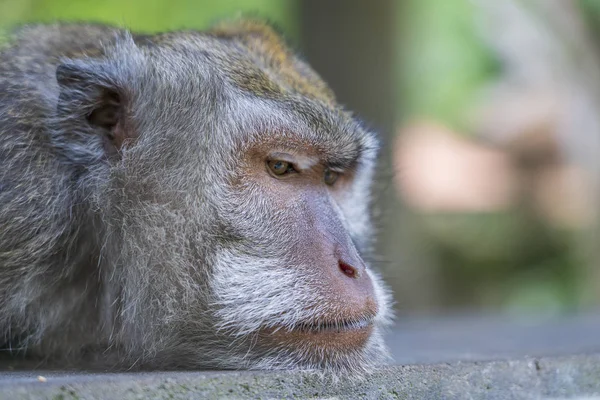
{"points": [[149, 257]]}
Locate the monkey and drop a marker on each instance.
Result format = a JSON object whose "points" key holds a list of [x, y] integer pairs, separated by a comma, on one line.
{"points": [[187, 199]]}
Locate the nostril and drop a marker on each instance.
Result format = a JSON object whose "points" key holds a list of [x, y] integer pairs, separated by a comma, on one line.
{"points": [[348, 269]]}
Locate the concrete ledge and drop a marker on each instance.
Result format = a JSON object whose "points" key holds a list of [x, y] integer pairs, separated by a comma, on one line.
{"points": [[527, 378], [453, 357]]}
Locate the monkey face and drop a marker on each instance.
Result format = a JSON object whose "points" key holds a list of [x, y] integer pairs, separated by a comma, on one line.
{"points": [[264, 263], [291, 280]]}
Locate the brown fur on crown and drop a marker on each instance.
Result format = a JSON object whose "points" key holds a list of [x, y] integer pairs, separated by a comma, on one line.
{"points": [[269, 50]]}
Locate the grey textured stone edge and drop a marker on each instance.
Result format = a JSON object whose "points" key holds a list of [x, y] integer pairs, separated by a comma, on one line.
{"points": [[527, 378]]}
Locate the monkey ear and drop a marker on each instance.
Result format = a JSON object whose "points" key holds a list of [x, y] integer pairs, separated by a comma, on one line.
{"points": [[90, 98]]}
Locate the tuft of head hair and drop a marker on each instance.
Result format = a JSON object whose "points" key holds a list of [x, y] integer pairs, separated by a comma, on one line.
{"points": [[270, 50]]}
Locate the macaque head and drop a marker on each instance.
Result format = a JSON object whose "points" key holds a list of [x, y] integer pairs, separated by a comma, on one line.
{"points": [[233, 198]]}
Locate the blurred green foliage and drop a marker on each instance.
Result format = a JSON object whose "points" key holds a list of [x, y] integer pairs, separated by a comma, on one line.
{"points": [[148, 15], [506, 258], [444, 63]]}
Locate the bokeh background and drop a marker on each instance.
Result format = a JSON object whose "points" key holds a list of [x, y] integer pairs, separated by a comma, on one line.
{"points": [[489, 114]]}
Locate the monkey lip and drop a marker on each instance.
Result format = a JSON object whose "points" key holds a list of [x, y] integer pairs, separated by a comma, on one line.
{"points": [[335, 327]]}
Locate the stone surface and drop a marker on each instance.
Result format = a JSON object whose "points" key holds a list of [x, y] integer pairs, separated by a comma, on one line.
{"points": [[481, 338], [447, 358]]}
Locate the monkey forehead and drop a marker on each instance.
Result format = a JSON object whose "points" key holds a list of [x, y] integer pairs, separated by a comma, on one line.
{"points": [[286, 79], [259, 85], [304, 128]]}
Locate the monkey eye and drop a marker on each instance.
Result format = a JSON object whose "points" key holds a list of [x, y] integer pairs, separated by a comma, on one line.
{"points": [[280, 168], [330, 177]]}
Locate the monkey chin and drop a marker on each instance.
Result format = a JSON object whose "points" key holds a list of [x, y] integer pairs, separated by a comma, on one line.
{"points": [[334, 347], [342, 337]]}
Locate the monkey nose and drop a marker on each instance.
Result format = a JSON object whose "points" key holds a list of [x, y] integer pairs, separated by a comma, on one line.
{"points": [[356, 285], [350, 263], [348, 269]]}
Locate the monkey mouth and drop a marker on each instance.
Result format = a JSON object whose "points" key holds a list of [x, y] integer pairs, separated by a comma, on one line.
{"points": [[335, 326]]}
